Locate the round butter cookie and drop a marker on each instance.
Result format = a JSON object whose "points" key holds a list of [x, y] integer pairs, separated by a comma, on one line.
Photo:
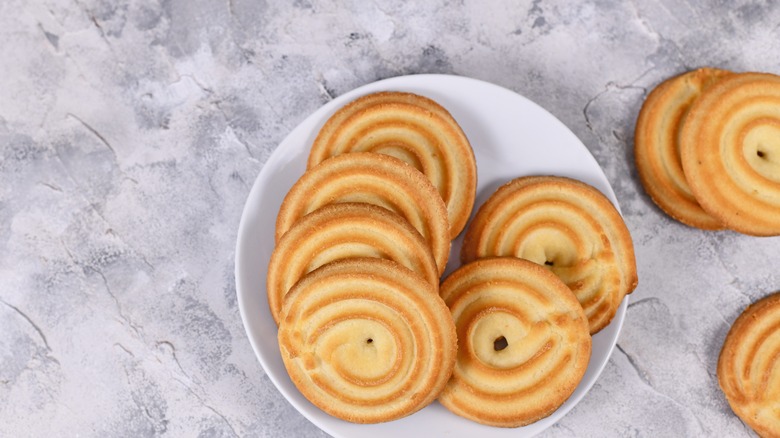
{"points": [[340, 231], [374, 179], [567, 226], [414, 129], [367, 340], [730, 145], [657, 146], [523, 342], [749, 366]]}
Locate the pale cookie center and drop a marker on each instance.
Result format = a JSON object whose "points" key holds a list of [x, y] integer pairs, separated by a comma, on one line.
{"points": [[361, 351], [497, 339], [398, 150], [761, 148], [550, 247]]}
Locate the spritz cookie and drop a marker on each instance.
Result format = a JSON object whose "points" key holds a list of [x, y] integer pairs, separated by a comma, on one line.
{"points": [[567, 226], [341, 231], [749, 366], [523, 342], [730, 145], [367, 340], [414, 129], [375, 179]]}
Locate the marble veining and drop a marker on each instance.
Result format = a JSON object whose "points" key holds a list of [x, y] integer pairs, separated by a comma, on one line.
{"points": [[131, 132]]}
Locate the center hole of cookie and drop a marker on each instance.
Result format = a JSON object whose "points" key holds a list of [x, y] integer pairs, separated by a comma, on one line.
{"points": [[500, 343], [549, 263], [761, 154], [369, 341]]}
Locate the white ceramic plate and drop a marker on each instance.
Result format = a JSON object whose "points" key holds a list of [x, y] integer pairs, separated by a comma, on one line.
{"points": [[511, 137]]}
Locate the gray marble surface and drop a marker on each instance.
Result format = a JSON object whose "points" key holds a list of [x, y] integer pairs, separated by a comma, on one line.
{"points": [[131, 132]]}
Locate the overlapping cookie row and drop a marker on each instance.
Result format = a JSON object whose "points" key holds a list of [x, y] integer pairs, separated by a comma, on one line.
{"points": [[362, 239], [707, 149]]}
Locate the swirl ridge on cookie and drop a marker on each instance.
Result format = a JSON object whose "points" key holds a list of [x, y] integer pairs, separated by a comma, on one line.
{"points": [[749, 366], [340, 231]]}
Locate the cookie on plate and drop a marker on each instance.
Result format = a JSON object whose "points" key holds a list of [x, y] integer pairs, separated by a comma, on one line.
{"points": [[341, 231], [567, 226], [657, 146], [414, 129], [374, 179], [749, 366], [523, 342], [367, 340]]}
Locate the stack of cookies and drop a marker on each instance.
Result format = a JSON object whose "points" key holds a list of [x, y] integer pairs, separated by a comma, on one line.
{"points": [[361, 241], [546, 263], [707, 148], [366, 331]]}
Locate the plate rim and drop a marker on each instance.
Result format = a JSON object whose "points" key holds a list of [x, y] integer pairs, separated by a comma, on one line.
{"points": [[323, 111]]}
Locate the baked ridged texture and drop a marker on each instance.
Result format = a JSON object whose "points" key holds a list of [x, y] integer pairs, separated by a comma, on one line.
{"points": [[730, 147], [567, 226], [375, 179], [749, 366], [340, 231], [367, 340], [523, 342], [657, 146], [414, 129]]}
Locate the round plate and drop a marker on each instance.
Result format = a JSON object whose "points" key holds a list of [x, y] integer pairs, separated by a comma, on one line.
{"points": [[511, 137]]}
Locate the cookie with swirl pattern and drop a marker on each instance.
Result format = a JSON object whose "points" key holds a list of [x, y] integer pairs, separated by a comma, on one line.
{"points": [[374, 179], [523, 342], [414, 129], [657, 145], [749, 366], [730, 145], [340, 231], [367, 340], [568, 227]]}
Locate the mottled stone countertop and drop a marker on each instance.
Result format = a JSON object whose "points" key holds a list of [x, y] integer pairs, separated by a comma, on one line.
{"points": [[131, 133]]}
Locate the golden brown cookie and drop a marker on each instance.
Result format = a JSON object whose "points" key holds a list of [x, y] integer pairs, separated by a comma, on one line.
{"points": [[749, 366], [367, 340], [523, 342], [375, 179], [567, 226], [657, 146], [340, 231], [730, 145], [414, 129]]}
